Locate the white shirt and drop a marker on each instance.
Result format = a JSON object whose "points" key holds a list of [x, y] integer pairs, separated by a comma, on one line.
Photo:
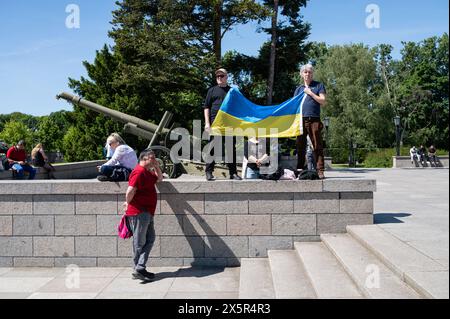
{"points": [[123, 156]]}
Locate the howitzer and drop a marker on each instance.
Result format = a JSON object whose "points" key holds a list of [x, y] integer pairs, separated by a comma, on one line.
{"points": [[138, 127]]}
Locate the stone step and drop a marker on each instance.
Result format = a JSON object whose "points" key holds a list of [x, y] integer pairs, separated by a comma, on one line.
{"points": [[256, 279], [372, 277], [328, 278], [421, 272], [289, 276]]}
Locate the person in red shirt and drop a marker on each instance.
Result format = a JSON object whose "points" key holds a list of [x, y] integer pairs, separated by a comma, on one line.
{"points": [[140, 209], [17, 159]]}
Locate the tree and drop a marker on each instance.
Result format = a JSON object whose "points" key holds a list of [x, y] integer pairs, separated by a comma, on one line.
{"points": [[51, 130], [250, 73], [163, 54], [348, 73], [207, 21], [77, 146], [422, 91], [15, 131], [290, 9], [273, 48]]}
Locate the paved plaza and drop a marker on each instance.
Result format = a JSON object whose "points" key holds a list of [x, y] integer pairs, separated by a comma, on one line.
{"points": [[411, 204]]}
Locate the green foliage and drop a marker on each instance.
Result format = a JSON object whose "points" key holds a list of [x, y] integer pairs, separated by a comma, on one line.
{"points": [[28, 120], [74, 145], [422, 91], [51, 130], [347, 72], [381, 158], [14, 131], [366, 88]]}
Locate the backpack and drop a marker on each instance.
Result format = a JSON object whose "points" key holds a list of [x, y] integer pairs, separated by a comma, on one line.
{"points": [[120, 174], [308, 175], [5, 164], [275, 176], [124, 228]]}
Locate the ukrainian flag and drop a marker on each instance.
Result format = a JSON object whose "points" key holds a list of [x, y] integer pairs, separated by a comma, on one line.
{"points": [[240, 117]]}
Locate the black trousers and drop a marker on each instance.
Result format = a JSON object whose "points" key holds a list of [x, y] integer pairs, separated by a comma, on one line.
{"points": [[225, 139]]}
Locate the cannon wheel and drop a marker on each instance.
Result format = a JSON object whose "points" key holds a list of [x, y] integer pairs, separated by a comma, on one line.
{"points": [[162, 155]]}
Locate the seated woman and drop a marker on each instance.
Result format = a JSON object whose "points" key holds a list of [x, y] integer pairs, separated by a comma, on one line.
{"points": [[257, 154], [40, 159], [124, 160]]}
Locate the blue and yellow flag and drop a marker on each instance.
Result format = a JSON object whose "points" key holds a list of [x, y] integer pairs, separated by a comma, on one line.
{"points": [[240, 117]]}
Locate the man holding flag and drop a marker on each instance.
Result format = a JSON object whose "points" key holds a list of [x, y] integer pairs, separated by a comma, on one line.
{"points": [[312, 126], [213, 102]]}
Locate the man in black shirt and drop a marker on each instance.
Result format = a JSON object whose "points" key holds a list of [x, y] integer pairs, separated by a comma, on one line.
{"points": [[213, 101]]}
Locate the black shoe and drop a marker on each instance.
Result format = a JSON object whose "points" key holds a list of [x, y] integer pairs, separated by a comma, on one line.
{"points": [[210, 176], [236, 177], [143, 275], [103, 178]]}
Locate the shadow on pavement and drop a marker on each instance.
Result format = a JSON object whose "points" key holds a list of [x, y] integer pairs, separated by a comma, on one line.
{"points": [[354, 170], [197, 271], [389, 218]]}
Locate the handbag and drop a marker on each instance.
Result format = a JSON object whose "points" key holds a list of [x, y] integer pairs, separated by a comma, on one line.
{"points": [[124, 228]]}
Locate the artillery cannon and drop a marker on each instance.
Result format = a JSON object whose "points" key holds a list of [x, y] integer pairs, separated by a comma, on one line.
{"points": [[137, 127]]}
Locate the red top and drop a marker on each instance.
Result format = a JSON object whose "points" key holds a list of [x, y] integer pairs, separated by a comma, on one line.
{"points": [[145, 198], [16, 154]]}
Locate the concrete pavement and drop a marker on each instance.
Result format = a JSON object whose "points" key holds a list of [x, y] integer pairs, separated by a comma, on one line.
{"points": [[412, 205], [116, 283]]}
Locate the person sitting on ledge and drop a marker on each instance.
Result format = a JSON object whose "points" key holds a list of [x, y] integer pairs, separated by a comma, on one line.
{"points": [[257, 154], [124, 160], [40, 159], [422, 153], [432, 156], [17, 158], [413, 154]]}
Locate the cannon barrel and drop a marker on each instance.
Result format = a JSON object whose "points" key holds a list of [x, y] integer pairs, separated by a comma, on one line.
{"points": [[134, 130], [116, 115]]}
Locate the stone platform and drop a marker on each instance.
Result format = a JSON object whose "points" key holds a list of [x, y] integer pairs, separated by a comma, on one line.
{"points": [[76, 170], [62, 222], [405, 162]]}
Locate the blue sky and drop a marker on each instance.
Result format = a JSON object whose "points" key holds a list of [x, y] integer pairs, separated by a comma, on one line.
{"points": [[38, 53]]}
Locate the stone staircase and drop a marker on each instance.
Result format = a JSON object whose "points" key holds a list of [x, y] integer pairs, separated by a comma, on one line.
{"points": [[366, 262]]}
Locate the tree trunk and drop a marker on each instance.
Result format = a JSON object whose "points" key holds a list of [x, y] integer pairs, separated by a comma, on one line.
{"points": [[217, 38], [273, 48]]}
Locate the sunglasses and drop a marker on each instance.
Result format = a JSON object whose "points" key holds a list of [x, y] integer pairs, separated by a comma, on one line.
{"points": [[220, 76]]}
